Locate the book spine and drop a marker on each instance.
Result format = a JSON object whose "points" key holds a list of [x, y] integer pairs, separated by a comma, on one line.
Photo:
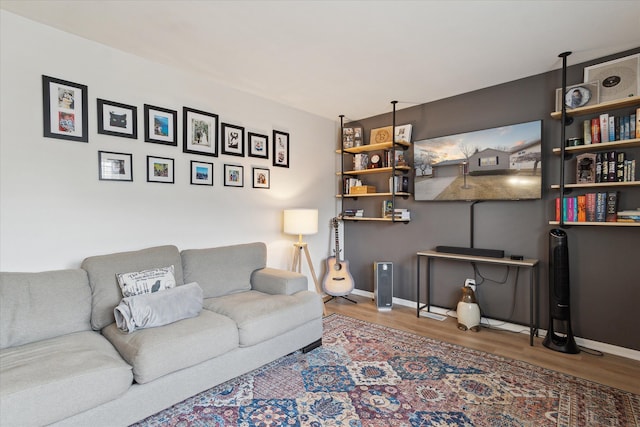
{"points": [[595, 130], [558, 208], [638, 122], [612, 166], [612, 128], [616, 129], [601, 207], [627, 128], [590, 207], [571, 209], [605, 168], [604, 127], [599, 167], [586, 132], [632, 126], [565, 209], [582, 208], [620, 161], [612, 206]]}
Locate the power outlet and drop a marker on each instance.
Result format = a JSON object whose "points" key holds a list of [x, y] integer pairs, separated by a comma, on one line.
{"points": [[471, 283]]}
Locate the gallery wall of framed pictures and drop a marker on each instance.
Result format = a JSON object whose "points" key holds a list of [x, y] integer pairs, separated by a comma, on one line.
{"points": [[66, 110]]}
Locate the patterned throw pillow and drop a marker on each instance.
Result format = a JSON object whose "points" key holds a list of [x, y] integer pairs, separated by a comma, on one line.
{"points": [[147, 281]]}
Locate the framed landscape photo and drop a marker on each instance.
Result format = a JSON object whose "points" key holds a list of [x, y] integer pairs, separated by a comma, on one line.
{"points": [[280, 149], [65, 112], [258, 145], [201, 173], [618, 79], [114, 166], [233, 176], [232, 140], [160, 169], [160, 125], [200, 133], [261, 178], [117, 119]]}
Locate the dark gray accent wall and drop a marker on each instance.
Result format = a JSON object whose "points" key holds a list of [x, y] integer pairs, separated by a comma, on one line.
{"points": [[604, 261]]}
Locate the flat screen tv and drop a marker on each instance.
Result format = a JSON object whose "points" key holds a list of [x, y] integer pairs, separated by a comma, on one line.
{"points": [[502, 163]]}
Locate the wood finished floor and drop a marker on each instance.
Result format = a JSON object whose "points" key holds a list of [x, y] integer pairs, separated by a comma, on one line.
{"points": [[612, 370]]}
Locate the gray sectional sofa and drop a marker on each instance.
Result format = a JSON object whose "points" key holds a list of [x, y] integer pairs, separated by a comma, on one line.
{"points": [[64, 361]]}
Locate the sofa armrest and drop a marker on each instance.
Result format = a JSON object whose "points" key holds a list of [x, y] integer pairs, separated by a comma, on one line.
{"points": [[275, 281]]}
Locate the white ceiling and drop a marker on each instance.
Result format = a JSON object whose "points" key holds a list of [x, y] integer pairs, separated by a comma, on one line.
{"points": [[350, 57]]}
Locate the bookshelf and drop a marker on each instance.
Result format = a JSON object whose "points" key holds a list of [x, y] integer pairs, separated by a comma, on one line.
{"points": [[389, 168], [627, 144]]}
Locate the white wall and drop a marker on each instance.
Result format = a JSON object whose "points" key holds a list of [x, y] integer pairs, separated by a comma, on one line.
{"points": [[54, 211]]}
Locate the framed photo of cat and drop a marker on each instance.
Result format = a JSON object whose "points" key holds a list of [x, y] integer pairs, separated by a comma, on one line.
{"points": [[117, 119]]}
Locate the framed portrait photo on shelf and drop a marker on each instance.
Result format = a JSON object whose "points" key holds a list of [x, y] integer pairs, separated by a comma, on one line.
{"points": [[280, 149], [65, 112], [114, 166], [160, 125], [117, 119], [200, 133]]}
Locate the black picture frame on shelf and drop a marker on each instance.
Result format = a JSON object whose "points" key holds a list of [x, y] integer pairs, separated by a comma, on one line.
{"points": [[261, 178], [65, 109], [115, 166], [160, 125], [280, 149], [201, 173], [160, 169], [258, 145], [233, 176], [200, 132], [232, 140], [117, 119]]}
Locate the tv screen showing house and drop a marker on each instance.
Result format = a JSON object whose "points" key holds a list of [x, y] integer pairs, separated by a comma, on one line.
{"points": [[502, 163]]}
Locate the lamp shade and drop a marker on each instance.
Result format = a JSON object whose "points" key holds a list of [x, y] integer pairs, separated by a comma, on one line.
{"points": [[301, 221]]}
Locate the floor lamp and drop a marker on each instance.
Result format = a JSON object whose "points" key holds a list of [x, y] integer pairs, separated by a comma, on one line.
{"points": [[302, 221]]}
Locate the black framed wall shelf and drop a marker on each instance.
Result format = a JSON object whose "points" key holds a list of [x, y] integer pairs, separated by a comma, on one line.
{"points": [[620, 146], [384, 166]]}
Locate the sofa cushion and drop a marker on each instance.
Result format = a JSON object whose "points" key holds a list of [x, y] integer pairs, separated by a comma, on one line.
{"points": [[155, 352], [38, 306], [46, 381], [261, 316], [146, 281], [224, 270], [102, 270]]}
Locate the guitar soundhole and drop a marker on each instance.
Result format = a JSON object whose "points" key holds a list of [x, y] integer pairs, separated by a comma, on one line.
{"points": [[337, 267]]}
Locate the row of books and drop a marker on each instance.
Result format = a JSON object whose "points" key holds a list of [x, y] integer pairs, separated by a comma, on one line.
{"points": [[610, 166], [629, 216], [590, 207], [399, 214], [353, 213], [608, 127], [349, 182]]}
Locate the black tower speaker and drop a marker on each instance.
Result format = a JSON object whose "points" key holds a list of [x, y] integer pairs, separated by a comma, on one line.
{"points": [[559, 334]]}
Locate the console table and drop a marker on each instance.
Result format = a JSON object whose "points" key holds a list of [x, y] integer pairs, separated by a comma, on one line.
{"points": [[531, 264]]}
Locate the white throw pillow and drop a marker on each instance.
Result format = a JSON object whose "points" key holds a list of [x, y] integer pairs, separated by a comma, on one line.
{"points": [[147, 281]]}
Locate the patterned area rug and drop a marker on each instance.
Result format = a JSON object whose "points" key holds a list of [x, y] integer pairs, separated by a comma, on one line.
{"points": [[372, 375]]}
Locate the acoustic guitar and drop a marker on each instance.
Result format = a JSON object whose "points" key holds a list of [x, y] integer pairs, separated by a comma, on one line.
{"points": [[338, 280]]}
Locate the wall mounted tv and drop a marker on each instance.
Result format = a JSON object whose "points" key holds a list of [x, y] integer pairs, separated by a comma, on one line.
{"points": [[503, 163]]}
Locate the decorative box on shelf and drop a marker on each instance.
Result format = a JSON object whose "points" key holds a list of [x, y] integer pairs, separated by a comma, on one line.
{"points": [[362, 189]]}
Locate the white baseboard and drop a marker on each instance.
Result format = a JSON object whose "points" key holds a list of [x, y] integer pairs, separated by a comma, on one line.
{"points": [[500, 324]]}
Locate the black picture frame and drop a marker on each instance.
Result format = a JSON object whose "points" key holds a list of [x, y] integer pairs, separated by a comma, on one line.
{"points": [[280, 149], [258, 145], [233, 176], [261, 178], [115, 166], [160, 125], [65, 109], [160, 169], [201, 173], [117, 119], [232, 140], [200, 132]]}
